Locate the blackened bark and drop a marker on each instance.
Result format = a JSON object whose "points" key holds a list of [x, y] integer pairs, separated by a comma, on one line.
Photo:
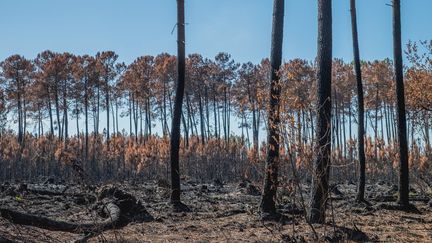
{"points": [[202, 125], [401, 116], [360, 106], [185, 130], [116, 118], [20, 131], [215, 117], [77, 118], [50, 113], [271, 172], [65, 113], [130, 114], [319, 190], [255, 128], [149, 117], [86, 116], [57, 107], [97, 109], [175, 133], [107, 104], [207, 113]]}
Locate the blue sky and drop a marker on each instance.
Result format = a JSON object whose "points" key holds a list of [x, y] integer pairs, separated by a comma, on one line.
{"points": [[241, 27]]}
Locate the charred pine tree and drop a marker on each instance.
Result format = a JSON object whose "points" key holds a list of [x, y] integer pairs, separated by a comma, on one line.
{"points": [[320, 177], [175, 133], [360, 106], [401, 116], [268, 207]]}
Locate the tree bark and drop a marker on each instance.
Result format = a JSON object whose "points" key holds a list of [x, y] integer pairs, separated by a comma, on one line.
{"points": [[20, 132], [57, 107], [86, 116], [271, 171], [107, 104], [175, 133], [360, 106], [50, 112], [202, 125], [65, 113], [401, 116], [319, 190]]}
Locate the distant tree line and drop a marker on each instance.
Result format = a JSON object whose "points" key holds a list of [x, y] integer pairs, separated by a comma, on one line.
{"points": [[55, 91]]}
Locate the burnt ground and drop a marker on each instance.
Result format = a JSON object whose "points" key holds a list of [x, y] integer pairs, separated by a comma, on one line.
{"points": [[222, 212]]}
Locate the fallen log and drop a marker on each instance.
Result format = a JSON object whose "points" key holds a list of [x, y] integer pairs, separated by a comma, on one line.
{"points": [[111, 209], [118, 208]]}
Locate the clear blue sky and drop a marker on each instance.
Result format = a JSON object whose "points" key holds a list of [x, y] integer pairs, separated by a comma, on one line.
{"points": [[241, 27]]}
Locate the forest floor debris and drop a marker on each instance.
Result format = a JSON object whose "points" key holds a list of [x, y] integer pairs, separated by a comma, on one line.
{"points": [[219, 212]]}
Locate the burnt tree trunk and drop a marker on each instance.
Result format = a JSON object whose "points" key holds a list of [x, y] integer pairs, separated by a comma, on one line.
{"points": [[360, 106], [271, 171], [65, 112], [175, 133], [86, 117], [401, 116], [320, 177], [107, 99], [50, 113]]}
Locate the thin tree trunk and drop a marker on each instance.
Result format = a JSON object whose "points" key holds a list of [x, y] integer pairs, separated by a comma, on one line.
{"points": [[224, 115], [382, 123], [116, 118], [113, 117], [39, 117], [219, 122], [426, 130], [20, 132], [56, 100], [107, 103], [77, 118], [97, 110], [65, 114], [164, 112], [149, 117], [135, 116], [50, 113], [228, 117], [387, 127], [336, 126], [130, 114], [376, 126], [254, 129], [86, 118], [175, 133], [360, 106], [186, 130], [207, 113], [215, 117], [201, 120], [24, 118], [141, 123]]}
